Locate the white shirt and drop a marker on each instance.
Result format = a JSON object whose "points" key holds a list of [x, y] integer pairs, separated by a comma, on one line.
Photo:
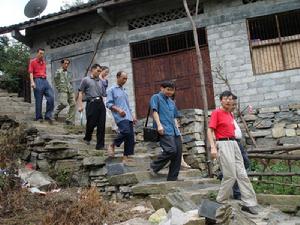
{"points": [[237, 131]]}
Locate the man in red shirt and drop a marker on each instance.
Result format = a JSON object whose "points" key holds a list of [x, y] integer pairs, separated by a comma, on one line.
{"points": [[221, 137], [41, 87]]}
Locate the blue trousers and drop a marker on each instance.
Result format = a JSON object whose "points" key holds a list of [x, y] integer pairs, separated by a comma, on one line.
{"points": [[126, 135], [42, 88]]}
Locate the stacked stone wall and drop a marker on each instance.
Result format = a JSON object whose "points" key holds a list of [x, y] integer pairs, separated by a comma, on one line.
{"points": [[274, 126]]}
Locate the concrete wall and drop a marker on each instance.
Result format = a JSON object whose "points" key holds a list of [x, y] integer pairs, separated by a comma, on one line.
{"points": [[227, 39]]}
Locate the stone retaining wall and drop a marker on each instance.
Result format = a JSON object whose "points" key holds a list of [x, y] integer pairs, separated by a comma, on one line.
{"points": [[272, 126]]}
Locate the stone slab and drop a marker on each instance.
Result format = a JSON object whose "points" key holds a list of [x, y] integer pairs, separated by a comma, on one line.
{"points": [[94, 161]]}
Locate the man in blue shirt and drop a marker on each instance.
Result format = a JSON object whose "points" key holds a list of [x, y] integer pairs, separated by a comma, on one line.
{"points": [[117, 102], [164, 115]]}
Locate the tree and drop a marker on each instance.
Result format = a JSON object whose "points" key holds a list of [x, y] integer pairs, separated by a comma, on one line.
{"points": [[67, 4], [202, 80], [14, 57]]}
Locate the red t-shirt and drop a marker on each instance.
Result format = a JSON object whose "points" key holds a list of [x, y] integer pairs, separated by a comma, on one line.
{"points": [[222, 123], [37, 68]]}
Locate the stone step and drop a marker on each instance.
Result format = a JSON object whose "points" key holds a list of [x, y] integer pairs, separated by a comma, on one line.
{"points": [[16, 106], [164, 187], [19, 116], [144, 178], [11, 98], [196, 195], [6, 94], [16, 109]]}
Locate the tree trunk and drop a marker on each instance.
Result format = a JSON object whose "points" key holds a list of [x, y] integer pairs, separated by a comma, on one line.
{"points": [[202, 80]]}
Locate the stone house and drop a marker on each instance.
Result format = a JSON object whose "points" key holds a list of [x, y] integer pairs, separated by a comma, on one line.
{"points": [[254, 44]]}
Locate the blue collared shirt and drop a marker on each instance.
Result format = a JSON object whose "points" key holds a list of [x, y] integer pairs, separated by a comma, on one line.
{"points": [[167, 111], [116, 96]]}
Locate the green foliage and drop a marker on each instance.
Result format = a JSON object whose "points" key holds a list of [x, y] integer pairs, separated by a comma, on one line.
{"points": [[14, 58], [212, 195], [275, 183], [62, 177]]}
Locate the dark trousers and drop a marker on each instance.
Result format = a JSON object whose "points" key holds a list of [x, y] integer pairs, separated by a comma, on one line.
{"points": [[172, 151], [42, 88], [126, 135], [95, 116]]}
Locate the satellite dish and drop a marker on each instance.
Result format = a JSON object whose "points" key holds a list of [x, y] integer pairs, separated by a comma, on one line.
{"points": [[34, 8]]}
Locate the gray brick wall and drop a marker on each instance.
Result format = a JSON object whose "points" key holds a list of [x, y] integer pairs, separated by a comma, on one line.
{"points": [[229, 48], [227, 38]]}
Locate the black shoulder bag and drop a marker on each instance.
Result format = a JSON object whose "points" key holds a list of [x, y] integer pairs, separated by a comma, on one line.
{"points": [[150, 133]]}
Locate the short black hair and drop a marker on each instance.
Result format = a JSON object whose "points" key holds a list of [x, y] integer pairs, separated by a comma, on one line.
{"points": [[225, 94], [40, 49], [104, 68], [64, 60], [119, 73], [234, 97], [95, 66], [168, 84]]}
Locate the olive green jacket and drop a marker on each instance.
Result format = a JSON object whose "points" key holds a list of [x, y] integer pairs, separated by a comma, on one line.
{"points": [[62, 81]]}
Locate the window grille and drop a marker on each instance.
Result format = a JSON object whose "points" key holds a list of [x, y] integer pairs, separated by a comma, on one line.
{"points": [[167, 44], [161, 17], [250, 1], [275, 42], [69, 39]]}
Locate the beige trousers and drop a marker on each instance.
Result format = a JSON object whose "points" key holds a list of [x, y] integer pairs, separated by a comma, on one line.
{"points": [[232, 166]]}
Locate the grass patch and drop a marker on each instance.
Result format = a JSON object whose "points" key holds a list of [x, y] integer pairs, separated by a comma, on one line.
{"points": [[284, 185]]}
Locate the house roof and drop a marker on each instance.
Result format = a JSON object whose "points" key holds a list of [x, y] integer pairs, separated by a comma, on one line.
{"points": [[73, 11]]}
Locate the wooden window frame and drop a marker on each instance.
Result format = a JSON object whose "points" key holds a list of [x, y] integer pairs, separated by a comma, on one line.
{"points": [[279, 41]]}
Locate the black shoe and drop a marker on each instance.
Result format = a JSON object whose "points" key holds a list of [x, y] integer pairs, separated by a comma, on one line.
{"points": [[153, 173], [56, 117], [86, 142], [249, 209], [49, 120], [100, 147], [40, 120], [69, 123]]}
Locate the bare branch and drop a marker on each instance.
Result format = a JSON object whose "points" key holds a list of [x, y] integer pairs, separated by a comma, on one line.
{"points": [[197, 7]]}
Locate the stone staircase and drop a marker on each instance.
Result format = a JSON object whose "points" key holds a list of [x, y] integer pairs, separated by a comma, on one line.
{"points": [[64, 147], [15, 107]]}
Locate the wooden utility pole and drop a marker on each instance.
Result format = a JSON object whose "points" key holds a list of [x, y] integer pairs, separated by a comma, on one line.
{"points": [[202, 80]]}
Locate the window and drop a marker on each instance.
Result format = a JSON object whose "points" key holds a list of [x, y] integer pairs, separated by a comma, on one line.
{"points": [[275, 42], [167, 44], [161, 17]]}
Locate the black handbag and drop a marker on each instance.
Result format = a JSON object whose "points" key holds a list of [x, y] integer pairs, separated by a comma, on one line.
{"points": [[150, 133]]}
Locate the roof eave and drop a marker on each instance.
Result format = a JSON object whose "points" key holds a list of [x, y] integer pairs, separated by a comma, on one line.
{"points": [[29, 24]]}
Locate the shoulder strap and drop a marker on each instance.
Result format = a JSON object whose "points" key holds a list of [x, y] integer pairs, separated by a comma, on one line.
{"points": [[149, 109]]}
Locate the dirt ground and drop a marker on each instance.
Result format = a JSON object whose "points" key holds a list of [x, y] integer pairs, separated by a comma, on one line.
{"points": [[73, 206]]}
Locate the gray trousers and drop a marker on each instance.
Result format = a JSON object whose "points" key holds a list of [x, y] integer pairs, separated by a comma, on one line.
{"points": [[232, 166]]}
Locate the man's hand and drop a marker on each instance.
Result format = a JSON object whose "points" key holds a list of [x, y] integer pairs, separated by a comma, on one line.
{"points": [[80, 109], [160, 130], [213, 152], [134, 121], [122, 113], [32, 84]]}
